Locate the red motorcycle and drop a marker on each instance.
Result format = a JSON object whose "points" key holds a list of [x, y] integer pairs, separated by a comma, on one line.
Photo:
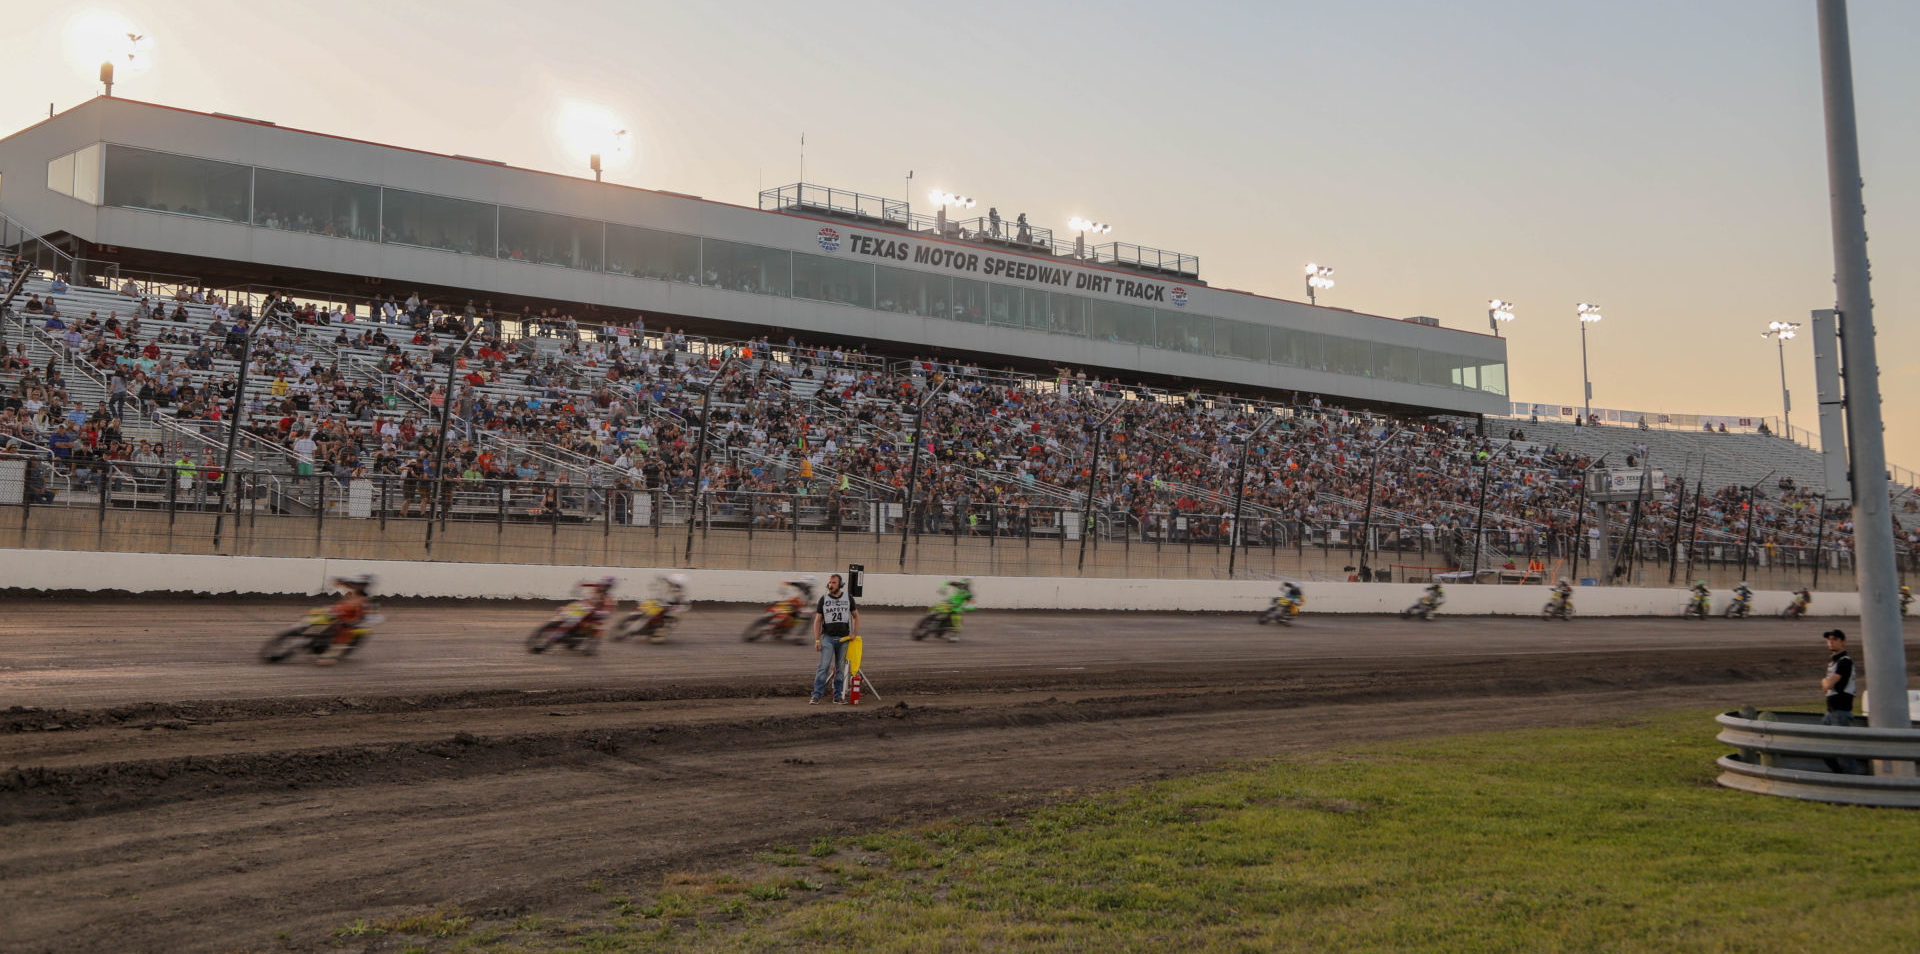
{"points": [[781, 619]]}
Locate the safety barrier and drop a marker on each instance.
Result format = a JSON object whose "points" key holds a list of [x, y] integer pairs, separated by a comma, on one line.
{"points": [[157, 573], [1793, 755]]}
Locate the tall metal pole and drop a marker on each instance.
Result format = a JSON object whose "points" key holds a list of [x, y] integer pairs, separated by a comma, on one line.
{"points": [[440, 445], [1629, 547], [1366, 519], [1480, 519], [238, 410], [913, 470], [1746, 543], [1239, 497], [1819, 538], [1693, 535], [1786, 399], [1586, 408], [1886, 654], [1580, 520], [700, 452], [1679, 517], [1093, 484]]}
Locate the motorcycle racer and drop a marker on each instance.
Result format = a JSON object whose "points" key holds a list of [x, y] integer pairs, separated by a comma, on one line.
{"points": [[349, 612]]}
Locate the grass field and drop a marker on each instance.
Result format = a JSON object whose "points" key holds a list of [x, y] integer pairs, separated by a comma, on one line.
{"points": [[1607, 839]]}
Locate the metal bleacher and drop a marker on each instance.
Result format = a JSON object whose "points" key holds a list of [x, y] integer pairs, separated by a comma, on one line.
{"points": [[1730, 459]]}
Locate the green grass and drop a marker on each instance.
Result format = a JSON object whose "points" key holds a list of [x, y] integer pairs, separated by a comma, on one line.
{"points": [[1608, 839]]}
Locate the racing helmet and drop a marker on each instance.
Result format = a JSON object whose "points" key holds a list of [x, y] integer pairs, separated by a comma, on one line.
{"points": [[604, 583], [677, 579], [359, 581]]}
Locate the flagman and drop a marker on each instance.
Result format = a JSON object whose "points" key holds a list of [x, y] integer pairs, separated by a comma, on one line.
{"points": [[836, 636]]}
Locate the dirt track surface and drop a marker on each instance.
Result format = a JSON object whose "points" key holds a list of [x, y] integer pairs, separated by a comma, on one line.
{"points": [[160, 790]]}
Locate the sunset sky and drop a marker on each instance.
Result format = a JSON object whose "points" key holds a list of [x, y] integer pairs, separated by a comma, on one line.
{"points": [[1664, 160]]}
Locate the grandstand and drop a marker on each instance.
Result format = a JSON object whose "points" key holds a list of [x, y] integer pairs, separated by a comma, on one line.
{"points": [[579, 396]]}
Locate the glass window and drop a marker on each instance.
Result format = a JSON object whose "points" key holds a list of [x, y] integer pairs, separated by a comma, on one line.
{"points": [[1396, 363], [1299, 349], [1349, 356], [544, 238], [1437, 369], [182, 185], [646, 253], [1059, 313], [1493, 378], [297, 203], [1176, 331], [746, 268], [436, 221], [1119, 322], [912, 293], [86, 173], [1239, 339], [969, 301], [833, 279], [60, 175], [1004, 306]]}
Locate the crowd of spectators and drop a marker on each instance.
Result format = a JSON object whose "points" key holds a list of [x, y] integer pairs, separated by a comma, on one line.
{"points": [[586, 411]]}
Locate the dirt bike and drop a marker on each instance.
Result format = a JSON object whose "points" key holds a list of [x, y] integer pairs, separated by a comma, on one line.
{"points": [[1739, 607], [1282, 611], [1798, 607], [1558, 607], [315, 636], [1425, 608], [939, 623], [652, 620], [1700, 606], [781, 619], [575, 627]]}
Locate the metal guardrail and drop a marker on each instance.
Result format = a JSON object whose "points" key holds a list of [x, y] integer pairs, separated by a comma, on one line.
{"points": [[1794, 755]]}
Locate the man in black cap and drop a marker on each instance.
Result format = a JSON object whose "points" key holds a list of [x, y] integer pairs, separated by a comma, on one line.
{"points": [[1839, 686]]}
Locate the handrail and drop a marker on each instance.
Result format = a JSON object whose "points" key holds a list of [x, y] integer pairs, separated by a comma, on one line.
{"points": [[1797, 755]]}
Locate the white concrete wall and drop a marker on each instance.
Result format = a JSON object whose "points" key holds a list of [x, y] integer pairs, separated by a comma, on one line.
{"points": [[41, 570]]}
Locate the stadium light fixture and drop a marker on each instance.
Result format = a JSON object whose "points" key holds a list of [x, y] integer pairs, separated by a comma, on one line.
{"points": [[1588, 315], [1498, 313], [1780, 332], [586, 129], [593, 161], [1319, 277], [942, 201], [1081, 227]]}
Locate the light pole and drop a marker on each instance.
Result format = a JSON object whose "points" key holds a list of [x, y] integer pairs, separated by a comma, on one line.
{"points": [[913, 468], [1318, 277], [1240, 493], [1083, 226], [238, 410], [942, 201], [616, 144], [1588, 315], [1780, 331], [1498, 313], [700, 452], [1093, 484], [1886, 654], [439, 505]]}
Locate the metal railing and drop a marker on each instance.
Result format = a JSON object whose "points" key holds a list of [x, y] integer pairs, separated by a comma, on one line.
{"points": [[1797, 755]]}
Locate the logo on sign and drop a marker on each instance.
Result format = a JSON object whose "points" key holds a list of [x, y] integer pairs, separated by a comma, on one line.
{"points": [[1178, 296], [830, 239]]}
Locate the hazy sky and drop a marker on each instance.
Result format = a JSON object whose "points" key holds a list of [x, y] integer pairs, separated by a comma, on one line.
{"points": [[1662, 158]]}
